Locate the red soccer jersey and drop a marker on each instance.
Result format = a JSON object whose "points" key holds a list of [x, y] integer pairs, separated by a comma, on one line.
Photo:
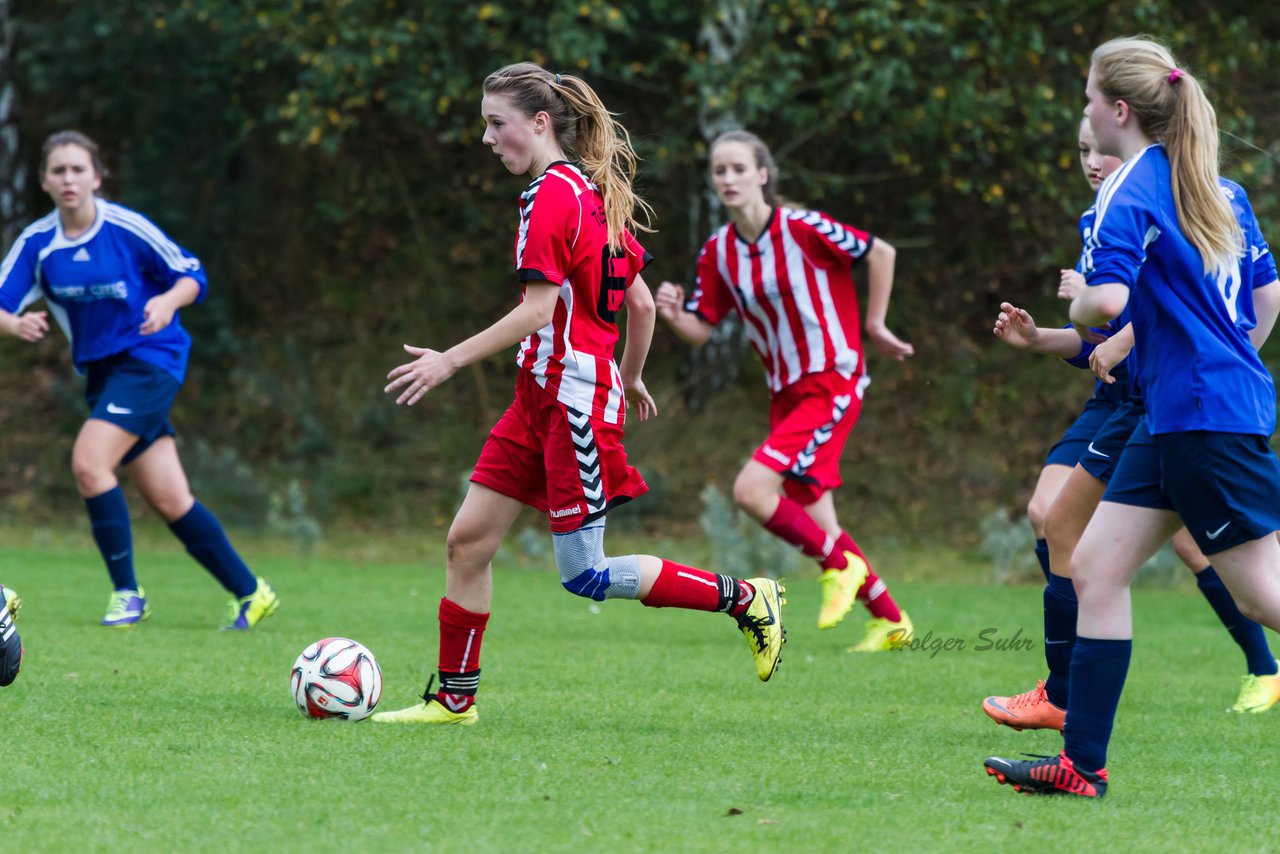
{"points": [[793, 288], [563, 239]]}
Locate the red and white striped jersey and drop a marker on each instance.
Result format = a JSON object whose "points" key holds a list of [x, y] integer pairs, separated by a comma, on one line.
{"points": [[563, 239], [793, 288]]}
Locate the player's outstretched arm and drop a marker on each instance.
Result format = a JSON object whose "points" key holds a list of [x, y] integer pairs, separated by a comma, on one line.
{"points": [[1017, 328], [881, 258], [431, 368], [641, 314], [29, 326], [691, 328]]}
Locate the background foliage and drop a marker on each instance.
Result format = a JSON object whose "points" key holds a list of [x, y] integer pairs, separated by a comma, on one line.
{"points": [[323, 158]]}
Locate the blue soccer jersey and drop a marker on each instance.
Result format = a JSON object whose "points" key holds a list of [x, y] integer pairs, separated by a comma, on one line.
{"points": [[1124, 372], [97, 284], [1200, 370]]}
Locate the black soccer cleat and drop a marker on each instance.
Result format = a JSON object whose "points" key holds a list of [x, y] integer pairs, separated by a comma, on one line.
{"points": [[1047, 775]]}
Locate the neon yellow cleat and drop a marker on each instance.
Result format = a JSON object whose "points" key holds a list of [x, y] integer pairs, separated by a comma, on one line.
{"points": [[883, 635], [1257, 694], [839, 589], [762, 625], [11, 602], [252, 609], [430, 712]]}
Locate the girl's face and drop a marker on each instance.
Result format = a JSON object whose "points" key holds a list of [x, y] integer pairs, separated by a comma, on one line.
{"points": [[1103, 118], [519, 140], [737, 178], [1095, 164], [70, 178]]}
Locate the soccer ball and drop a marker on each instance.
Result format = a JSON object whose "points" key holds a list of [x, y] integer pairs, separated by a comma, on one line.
{"points": [[336, 678]]}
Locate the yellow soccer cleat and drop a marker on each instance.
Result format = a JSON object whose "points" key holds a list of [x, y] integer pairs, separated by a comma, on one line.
{"points": [[430, 712], [762, 625], [1258, 694], [883, 635], [840, 589], [252, 609]]}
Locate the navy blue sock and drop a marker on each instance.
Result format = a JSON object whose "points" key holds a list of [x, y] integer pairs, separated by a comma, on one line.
{"points": [[1245, 632], [1098, 671], [113, 532], [205, 540], [1060, 609], [1042, 555]]}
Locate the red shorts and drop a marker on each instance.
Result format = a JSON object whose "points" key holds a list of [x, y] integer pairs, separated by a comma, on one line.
{"points": [[809, 422], [566, 464]]}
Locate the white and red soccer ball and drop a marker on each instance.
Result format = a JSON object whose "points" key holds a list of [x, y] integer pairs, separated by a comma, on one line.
{"points": [[336, 678]]}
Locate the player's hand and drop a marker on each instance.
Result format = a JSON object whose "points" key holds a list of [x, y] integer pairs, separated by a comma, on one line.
{"points": [[639, 399], [888, 344], [32, 325], [670, 301], [156, 314], [1015, 326], [1070, 285], [1106, 356], [418, 377]]}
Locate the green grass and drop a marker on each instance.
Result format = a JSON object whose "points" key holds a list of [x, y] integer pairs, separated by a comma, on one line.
{"points": [[603, 728]]}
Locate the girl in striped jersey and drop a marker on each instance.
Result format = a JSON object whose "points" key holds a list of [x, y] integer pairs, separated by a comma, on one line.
{"points": [[559, 447], [115, 282], [1180, 247], [788, 273]]}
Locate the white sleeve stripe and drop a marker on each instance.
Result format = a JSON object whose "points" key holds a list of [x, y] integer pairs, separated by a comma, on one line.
{"points": [[47, 223], [1106, 193], [169, 251]]}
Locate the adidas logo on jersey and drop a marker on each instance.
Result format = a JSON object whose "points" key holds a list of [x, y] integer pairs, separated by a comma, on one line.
{"points": [[82, 254]]}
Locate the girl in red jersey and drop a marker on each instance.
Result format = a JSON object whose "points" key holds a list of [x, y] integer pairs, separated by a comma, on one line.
{"points": [[559, 446], [788, 274]]}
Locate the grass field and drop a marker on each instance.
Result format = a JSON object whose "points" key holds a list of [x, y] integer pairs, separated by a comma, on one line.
{"points": [[603, 728]]}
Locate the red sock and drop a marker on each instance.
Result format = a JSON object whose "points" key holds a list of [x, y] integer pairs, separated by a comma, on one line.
{"points": [[797, 527], [875, 596], [461, 632], [679, 586], [835, 559]]}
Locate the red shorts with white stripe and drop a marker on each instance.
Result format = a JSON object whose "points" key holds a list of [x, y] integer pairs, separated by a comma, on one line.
{"points": [[563, 463], [809, 422]]}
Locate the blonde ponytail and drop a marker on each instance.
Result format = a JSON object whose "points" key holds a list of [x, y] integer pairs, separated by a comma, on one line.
{"points": [[587, 131], [1171, 107]]}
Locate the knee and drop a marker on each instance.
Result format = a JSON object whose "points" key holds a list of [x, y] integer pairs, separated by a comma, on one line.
{"points": [[468, 549], [171, 506], [1036, 511], [92, 478], [751, 496]]}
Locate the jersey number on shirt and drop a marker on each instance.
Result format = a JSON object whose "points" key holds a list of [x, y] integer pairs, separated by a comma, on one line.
{"points": [[613, 283]]}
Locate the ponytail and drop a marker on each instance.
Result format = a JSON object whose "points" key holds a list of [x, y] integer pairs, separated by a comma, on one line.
{"points": [[587, 131], [1171, 106]]}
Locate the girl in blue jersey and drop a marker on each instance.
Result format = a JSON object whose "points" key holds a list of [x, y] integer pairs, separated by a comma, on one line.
{"points": [[1180, 248], [1083, 461], [115, 282]]}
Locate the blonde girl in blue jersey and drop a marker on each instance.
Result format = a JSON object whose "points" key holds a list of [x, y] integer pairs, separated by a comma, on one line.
{"points": [[1181, 248], [115, 283]]}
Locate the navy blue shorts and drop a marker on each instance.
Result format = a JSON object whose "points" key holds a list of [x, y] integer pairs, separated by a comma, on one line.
{"points": [[1226, 486], [1104, 450], [1136, 478], [133, 395], [1067, 450]]}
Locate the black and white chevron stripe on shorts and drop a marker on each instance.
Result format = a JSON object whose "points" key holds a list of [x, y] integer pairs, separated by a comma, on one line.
{"points": [[805, 459], [589, 472]]}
